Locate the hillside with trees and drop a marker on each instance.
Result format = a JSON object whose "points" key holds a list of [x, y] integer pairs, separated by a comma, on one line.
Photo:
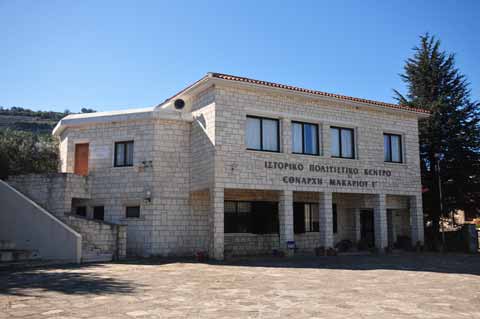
{"points": [[22, 119], [26, 143]]}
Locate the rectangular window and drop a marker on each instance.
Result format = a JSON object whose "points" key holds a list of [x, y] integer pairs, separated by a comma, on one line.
{"points": [[305, 138], [335, 218], [123, 154], [342, 142], [305, 218], [81, 211], [98, 212], [392, 148], [262, 134], [251, 217], [132, 211]]}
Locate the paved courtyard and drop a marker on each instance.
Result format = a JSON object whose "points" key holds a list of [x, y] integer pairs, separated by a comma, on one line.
{"points": [[407, 286]]}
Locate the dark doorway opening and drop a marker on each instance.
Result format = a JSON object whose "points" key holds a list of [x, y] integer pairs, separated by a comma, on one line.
{"points": [[367, 230]]}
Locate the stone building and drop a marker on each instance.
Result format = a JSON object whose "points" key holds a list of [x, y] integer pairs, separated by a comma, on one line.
{"points": [[236, 166]]}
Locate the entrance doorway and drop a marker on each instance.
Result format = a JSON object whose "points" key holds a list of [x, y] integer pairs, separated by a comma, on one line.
{"points": [[81, 159], [367, 230]]}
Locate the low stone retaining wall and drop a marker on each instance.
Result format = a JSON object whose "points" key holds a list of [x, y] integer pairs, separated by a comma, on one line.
{"points": [[307, 242], [250, 244], [105, 238], [54, 192]]}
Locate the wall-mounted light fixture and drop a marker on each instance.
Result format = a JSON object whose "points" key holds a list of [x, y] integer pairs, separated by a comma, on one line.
{"points": [[148, 196]]}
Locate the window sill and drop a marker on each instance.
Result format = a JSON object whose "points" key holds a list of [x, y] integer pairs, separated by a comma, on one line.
{"points": [[395, 164], [306, 154], [129, 166], [262, 151], [343, 158]]}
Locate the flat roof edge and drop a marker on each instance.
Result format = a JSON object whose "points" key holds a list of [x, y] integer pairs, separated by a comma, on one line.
{"points": [[116, 116]]}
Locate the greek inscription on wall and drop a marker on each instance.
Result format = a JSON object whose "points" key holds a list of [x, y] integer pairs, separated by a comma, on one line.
{"points": [[349, 172]]}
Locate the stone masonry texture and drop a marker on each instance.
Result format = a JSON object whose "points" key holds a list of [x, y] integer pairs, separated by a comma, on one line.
{"points": [[183, 170]]}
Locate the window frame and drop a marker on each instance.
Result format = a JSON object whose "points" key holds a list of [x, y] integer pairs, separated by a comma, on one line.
{"points": [[115, 163], [133, 217], [261, 118], [311, 227], [390, 150], [236, 217], [339, 128], [303, 138], [253, 217]]}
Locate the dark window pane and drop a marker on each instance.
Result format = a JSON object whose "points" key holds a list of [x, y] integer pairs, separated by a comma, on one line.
{"points": [[315, 220], [123, 154], [133, 211], [334, 217], [243, 222], [230, 222], [298, 218], [230, 207], [81, 211], [251, 217], [99, 212], [244, 207]]}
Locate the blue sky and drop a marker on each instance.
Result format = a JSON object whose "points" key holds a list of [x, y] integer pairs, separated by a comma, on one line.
{"points": [[106, 55]]}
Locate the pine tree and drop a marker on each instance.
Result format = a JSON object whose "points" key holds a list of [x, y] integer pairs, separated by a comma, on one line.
{"points": [[450, 137]]}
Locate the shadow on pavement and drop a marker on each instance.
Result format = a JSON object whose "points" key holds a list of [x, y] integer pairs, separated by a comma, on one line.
{"points": [[96, 279], [438, 263], [78, 279], [422, 262]]}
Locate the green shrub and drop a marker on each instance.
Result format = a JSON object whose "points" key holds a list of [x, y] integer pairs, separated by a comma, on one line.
{"points": [[26, 152]]}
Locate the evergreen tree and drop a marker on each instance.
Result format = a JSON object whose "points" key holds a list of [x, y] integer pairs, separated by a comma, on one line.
{"points": [[450, 137]]}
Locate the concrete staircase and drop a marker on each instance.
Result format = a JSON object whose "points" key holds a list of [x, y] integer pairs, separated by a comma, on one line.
{"points": [[9, 254], [28, 230], [34, 231]]}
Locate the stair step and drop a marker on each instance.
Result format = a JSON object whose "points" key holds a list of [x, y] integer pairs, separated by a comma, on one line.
{"points": [[6, 244]]}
